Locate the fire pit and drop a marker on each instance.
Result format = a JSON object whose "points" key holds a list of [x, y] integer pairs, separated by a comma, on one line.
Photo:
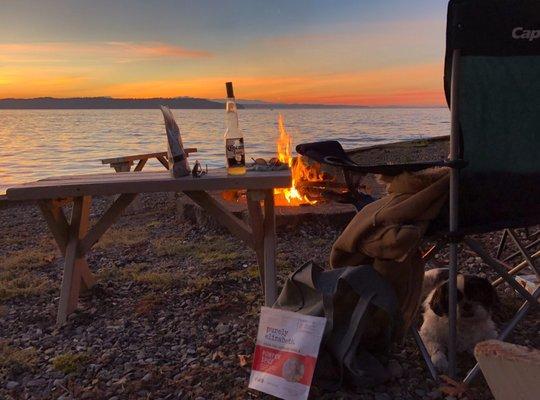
{"points": [[310, 184]]}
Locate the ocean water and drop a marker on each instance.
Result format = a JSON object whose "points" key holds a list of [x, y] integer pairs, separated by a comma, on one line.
{"points": [[36, 144]]}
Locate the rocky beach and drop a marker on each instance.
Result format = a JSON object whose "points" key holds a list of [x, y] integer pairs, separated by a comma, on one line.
{"points": [[175, 311]]}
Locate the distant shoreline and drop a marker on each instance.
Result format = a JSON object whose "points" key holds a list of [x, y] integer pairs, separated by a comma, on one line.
{"points": [[188, 103]]}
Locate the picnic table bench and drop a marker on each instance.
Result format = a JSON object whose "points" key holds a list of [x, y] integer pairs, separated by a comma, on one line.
{"points": [[75, 238], [124, 164]]}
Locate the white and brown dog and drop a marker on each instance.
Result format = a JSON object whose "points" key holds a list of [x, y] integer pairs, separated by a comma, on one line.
{"points": [[476, 300]]}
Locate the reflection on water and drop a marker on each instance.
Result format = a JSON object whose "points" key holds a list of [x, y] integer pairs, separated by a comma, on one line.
{"points": [[35, 144]]}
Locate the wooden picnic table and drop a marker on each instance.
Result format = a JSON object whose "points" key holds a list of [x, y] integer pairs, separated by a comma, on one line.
{"points": [[75, 238], [124, 163]]}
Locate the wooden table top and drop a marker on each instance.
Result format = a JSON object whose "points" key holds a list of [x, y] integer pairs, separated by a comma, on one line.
{"points": [[144, 182]]}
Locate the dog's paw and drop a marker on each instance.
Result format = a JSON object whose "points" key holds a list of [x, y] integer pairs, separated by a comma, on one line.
{"points": [[440, 362]]}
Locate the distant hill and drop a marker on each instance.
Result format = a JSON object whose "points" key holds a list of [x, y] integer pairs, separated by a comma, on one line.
{"points": [[80, 103], [46, 103], [260, 104]]}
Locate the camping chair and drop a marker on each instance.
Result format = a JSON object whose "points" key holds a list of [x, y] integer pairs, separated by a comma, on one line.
{"points": [[492, 85]]}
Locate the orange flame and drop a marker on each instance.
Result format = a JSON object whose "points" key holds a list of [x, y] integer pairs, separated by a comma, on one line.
{"points": [[299, 170]]}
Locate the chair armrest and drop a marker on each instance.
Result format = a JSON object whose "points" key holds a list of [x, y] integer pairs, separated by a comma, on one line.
{"points": [[331, 153], [394, 169]]}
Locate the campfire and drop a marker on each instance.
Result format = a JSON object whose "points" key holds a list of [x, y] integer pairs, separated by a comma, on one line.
{"points": [[309, 186], [301, 172]]}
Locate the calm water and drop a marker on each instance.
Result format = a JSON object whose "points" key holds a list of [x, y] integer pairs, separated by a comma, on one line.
{"points": [[35, 144]]}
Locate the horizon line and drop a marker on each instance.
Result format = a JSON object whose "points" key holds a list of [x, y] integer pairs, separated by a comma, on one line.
{"points": [[251, 101]]}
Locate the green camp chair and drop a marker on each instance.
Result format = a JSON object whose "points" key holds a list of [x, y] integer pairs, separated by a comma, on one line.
{"points": [[492, 85]]}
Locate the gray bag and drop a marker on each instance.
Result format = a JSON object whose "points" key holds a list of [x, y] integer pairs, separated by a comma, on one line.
{"points": [[362, 316]]}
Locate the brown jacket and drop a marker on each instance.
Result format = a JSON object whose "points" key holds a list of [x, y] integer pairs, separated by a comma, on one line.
{"points": [[388, 233]]}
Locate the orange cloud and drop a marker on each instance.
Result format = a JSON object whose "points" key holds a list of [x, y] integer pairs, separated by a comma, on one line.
{"points": [[120, 51]]}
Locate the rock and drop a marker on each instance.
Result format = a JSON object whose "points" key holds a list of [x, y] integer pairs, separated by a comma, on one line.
{"points": [[58, 382], [11, 385], [222, 329], [147, 377], [36, 382]]}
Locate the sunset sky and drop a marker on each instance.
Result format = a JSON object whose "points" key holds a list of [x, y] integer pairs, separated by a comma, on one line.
{"points": [[366, 52]]}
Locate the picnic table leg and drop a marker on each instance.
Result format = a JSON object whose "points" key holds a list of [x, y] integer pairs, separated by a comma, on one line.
{"points": [[256, 220], [76, 271], [75, 242], [122, 166], [269, 229]]}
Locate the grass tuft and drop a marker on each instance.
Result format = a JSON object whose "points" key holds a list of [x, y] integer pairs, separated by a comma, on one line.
{"points": [[212, 250], [146, 274], [69, 362], [147, 305], [27, 259], [122, 237], [15, 361]]}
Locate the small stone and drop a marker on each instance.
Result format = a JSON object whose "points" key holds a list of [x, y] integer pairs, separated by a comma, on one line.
{"points": [[420, 392], [58, 382], [36, 382], [147, 377], [11, 385], [222, 329]]}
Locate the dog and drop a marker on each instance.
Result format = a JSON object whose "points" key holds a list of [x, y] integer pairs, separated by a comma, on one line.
{"points": [[476, 299]]}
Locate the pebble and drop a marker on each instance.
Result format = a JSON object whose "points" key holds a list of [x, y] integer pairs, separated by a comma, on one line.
{"points": [[36, 382], [58, 382], [147, 377], [11, 385], [184, 337], [222, 329]]}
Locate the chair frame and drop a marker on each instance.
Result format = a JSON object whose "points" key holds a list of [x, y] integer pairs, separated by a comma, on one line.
{"points": [[454, 236]]}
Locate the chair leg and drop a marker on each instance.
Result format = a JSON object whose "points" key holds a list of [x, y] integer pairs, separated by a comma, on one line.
{"points": [[502, 244], [452, 310], [529, 246], [523, 252], [505, 332], [522, 265], [425, 355], [500, 268]]}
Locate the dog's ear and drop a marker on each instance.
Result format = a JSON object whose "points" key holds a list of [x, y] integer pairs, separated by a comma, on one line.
{"points": [[439, 300], [480, 290]]}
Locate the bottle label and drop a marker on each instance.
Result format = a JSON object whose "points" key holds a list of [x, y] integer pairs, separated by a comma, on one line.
{"points": [[234, 151]]}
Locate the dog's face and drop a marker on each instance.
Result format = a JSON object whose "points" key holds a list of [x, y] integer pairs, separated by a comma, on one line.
{"points": [[475, 295]]}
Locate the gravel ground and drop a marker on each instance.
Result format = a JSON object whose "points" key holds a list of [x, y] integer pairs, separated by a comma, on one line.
{"points": [[174, 313]]}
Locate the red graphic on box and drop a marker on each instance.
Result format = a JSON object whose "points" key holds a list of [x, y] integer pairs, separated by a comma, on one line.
{"points": [[292, 367]]}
